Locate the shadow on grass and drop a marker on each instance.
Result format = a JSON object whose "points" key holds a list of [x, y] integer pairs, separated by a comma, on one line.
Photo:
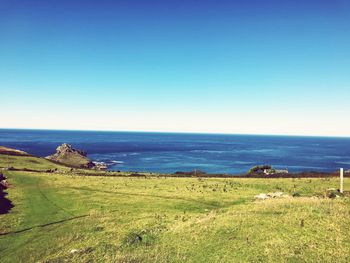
{"points": [[5, 204]]}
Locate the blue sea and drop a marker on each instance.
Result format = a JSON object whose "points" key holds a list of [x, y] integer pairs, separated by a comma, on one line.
{"points": [[171, 152]]}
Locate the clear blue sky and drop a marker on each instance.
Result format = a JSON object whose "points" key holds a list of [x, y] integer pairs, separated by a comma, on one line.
{"points": [[276, 67]]}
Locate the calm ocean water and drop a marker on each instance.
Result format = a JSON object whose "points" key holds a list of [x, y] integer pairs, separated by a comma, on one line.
{"points": [[171, 152]]}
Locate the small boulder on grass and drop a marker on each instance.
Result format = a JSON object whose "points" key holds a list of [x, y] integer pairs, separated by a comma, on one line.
{"points": [[270, 195], [275, 195], [296, 194], [261, 197], [4, 184], [333, 193]]}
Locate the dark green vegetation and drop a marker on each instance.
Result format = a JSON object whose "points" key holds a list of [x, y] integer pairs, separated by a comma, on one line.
{"points": [[62, 216], [5, 204]]}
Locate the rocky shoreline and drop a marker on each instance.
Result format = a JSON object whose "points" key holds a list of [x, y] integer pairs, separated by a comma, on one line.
{"points": [[77, 159]]}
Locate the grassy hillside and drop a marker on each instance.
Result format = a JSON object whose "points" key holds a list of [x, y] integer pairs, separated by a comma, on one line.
{"points": [[61, 217], [42, 165], [29, 162]]}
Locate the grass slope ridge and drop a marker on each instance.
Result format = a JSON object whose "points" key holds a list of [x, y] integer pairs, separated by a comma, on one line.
{"points": [[9, 151], [29, 162]]}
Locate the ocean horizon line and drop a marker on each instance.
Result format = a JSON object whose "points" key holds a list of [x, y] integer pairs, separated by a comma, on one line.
{"points": [[180, 132]]}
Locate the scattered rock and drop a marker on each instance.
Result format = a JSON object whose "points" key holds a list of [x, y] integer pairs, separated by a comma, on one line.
{"points": [[100, 166], [275, 195], [87, 250], [8, 168], [261, 197], [333, 193], [73, 251], [4, 184], [270, 195], [296, 194]]}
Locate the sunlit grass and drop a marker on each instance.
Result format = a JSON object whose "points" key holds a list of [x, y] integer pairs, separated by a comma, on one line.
{"points": [[125, 219]]}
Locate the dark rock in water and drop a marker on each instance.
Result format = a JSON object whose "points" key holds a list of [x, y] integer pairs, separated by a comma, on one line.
{"points": [[66, 154], [100, 166], [259, 169]]}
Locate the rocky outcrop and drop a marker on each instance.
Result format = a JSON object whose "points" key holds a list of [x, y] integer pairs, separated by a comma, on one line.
{"points": [[265, 170], [66, 154]]}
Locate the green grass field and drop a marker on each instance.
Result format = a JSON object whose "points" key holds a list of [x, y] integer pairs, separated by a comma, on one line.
{"points": [[62, 217]]}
